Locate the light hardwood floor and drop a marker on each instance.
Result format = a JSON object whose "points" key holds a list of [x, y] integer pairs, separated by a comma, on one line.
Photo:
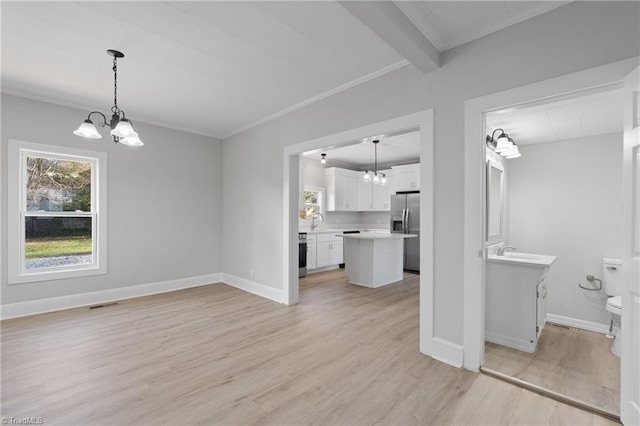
{"points": [[345, 355], [570, 361]]}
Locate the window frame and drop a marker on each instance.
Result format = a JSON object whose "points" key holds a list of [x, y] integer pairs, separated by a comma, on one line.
{"points": [[17, 211]]}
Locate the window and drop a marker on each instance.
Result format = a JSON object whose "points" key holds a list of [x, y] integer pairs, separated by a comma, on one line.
{"points": [[313, 198], [56, 212]]}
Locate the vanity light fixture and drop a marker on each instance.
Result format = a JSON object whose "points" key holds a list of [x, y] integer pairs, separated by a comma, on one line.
{"points": [[377, 178], [503, 145], [121, 128], [323, 160]]}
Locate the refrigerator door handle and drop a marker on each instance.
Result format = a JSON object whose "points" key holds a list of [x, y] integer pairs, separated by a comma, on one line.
{"points": [[405, 221]]}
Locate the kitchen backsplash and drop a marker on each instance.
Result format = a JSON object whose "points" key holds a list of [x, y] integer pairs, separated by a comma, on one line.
{"points": [[339, 220]]}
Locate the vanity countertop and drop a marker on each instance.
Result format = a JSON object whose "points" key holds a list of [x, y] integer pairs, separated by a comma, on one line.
{"points": [[528, 259]]}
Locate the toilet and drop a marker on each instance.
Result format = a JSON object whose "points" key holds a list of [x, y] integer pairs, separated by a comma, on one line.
{"points": [[612, 286]]}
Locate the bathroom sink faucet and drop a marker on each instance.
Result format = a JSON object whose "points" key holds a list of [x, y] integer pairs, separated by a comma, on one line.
{"points": [[501, 250], [314, 225]]}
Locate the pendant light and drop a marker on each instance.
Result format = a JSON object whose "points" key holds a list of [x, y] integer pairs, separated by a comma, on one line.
{"points": [[122, 130], [323, 159], [375, 177]]}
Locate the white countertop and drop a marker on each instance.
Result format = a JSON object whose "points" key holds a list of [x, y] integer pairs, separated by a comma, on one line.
{"points": [[524, 259], [336, 231], [376, 236]]}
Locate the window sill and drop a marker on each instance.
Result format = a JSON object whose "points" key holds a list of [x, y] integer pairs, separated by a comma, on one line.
{"points": [[50, 275]]}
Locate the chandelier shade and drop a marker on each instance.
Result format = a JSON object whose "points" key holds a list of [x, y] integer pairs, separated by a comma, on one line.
{"points": [[122, 130], [87, 130]]}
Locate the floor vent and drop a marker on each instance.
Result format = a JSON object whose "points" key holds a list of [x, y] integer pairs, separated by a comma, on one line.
{"points": [[104, 305], [559, 325]]}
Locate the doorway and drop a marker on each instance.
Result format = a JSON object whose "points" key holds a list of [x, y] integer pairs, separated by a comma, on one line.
{"points": [[421, 122], [556, 206], [597, 79]]}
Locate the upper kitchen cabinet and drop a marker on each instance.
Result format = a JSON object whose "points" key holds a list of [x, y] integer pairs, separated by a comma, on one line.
{"points": [[372, 197], [365, 195], [407, 177], [342, 189], [382, 193]]}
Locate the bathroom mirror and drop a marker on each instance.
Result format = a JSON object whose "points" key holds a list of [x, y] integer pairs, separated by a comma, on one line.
{"points": [[495, 204]]}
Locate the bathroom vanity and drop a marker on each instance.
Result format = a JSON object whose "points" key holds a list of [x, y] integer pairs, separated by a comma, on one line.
{"points": [[516, 290]]}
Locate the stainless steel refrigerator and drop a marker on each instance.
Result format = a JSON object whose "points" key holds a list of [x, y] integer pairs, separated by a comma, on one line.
{"points": [[405, 219]]}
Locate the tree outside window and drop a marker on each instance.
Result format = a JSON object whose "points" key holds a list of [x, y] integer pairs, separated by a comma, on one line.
{"points": [[311, 203]]}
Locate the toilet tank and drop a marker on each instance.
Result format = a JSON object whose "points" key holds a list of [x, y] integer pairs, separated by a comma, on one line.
{"points": [[612, 268]]}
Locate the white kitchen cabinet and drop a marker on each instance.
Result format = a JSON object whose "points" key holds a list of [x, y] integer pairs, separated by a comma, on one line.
{"points": [[372, 197], [365, 195], [329, 250], [311, 251], [342, 189], [407, 177], [382, 193]]}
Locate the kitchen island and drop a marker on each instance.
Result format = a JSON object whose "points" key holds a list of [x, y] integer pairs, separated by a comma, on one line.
{"points": [[373, 260]]}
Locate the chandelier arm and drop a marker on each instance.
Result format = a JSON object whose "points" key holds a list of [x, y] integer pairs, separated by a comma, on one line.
{"points": [[104, 119]]}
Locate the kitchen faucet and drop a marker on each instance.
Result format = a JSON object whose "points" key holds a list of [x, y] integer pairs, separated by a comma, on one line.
{"points": [[314, 225], [501, 250]]}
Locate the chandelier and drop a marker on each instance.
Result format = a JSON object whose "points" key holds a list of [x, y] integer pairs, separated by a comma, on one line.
{"points": [[377, 178], [121, 129]]}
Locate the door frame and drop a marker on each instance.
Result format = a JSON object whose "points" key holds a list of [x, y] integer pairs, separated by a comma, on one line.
{"points": [[474, 185], [421, 121]]}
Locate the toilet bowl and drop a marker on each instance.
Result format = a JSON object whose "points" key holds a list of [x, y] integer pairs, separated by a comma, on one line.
{"points": [[612, 283], [614, 306]]}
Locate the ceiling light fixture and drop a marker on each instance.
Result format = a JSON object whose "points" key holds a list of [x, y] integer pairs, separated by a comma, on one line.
{"points": [[121, 129], [503, 145], [377, 178], [323, 160]]}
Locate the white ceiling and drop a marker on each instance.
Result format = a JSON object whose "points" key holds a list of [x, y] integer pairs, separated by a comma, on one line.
{"points": [[572, 116], [392, 150], [448, 24], [216, 68], [569, 117]]}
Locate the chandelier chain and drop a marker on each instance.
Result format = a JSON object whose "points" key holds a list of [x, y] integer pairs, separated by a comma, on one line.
{"points": [[115, 108]]}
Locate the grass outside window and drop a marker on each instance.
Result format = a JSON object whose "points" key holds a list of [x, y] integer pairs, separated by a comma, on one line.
{"points": [[36, 248]]}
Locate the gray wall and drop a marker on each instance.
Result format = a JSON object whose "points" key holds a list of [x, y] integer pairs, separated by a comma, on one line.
{"points": [[566, 200], [164, 201], [574, 37]]}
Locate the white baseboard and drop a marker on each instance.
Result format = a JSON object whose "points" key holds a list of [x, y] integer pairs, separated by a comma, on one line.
{"points": [[40, 306], [271, 293], [323, 269], [576, 323], [447, 352], [522, 345]]}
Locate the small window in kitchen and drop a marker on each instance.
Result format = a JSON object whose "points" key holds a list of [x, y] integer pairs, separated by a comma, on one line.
{"points": [[313, 198], [56, 212]]}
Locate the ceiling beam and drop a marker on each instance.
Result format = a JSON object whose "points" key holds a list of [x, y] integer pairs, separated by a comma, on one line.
{"points": [[389, 23]]}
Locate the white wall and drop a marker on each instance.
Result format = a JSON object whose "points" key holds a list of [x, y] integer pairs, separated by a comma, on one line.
{"points": [[574, 37], [566, 200], [164, 201]]}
